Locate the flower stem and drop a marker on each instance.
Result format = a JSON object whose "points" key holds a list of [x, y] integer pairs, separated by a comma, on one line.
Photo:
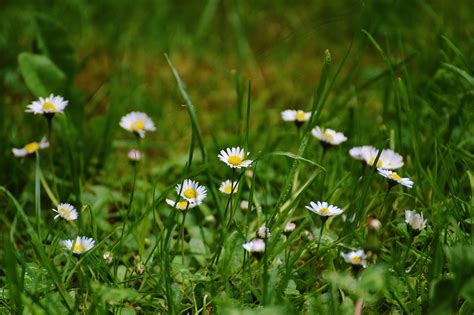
{"points": [[321, 234], [38, 195]]}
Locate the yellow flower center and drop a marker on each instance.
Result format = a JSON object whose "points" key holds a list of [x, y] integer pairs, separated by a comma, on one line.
{"points": [[356, 260], [228, 189], [65, 211], [49, 106], [324, 210], [182, 204], [328, 136], [138, 125], [379, 162], [394, 176], [190, 193], [300, 115], [234, 160], [78, 247], [32, 147]]}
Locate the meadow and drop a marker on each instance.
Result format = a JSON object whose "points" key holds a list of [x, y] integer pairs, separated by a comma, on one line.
{"points": [[236, 157]]}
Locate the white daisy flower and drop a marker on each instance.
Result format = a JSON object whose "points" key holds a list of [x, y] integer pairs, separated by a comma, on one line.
{"points": [[298, 116], [138, 123], [327, 135], [357, 257], [289, 228], [31, 148], [263, 232], [181, 205], [229, 187], [234, 157], [192, 191], [415, 220], [80, 246], [358, 153], [134, 155], [108, 257], [324, 209], [66, 211], [50, 105], [256, 246], [244, 205], [395, 178], [388, 160]]}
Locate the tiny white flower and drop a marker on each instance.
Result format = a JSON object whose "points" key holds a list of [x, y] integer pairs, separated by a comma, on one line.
{"points": [[66, 211], [324, 209], [327, 135], [415, 220], [244, 205], [108, 257], [357, 257], [289, 228], [395, 178], [181, 205], [80, 246], [31, 148], [298, 116], [374, 223], [388, 160], [134, 155], [234, 157], [48, 106], [255, 246], [192, 191], [358, 153], [138, 123], [228, 187], [263, 232]]}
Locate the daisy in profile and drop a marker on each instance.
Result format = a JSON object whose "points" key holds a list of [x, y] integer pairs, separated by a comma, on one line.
{"points": [[328, 136], [263, 232], [31, 148], [324, 209], [358, 153], [415, 220], [255, 247], [138, 123], [228, 187], [48, 106], [81, 245], [394, 178], [388, 160], [181, 205], [234, 157], [134, 156], [357, 257], [289, 228], [298, 116], [66, 211], [192, 191]]}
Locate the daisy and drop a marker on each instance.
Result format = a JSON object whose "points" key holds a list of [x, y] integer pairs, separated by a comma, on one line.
{"points": [[244, 205], [255, 247], [388, 160], [48, 106], [134, 156], [323, 209], [138, 123], [298, 116], [358, 152], [66, 211], [357, 257], [394, 178], [328, 136], [108, 257], [192, 191], [289, 228], [31, 148], [181, 205], [80, 246], [263, 232], [234, 157], [415, 220], [229, 187]]}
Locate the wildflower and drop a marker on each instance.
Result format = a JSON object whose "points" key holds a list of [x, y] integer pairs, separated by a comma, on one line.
{"points": [[134, 156], [388, 160], [48, 106], [298, 116], [181, 205], [234, 157], [358, 152], [373, 223], [324, 209], [192, 191], [255, 247], [228, 187], [415, 220], [394, 178], [289, 228], [138, 123], [80, 246], [308, 236], [108, 257], [140, 268], [244, 205], [328, 136], [31, 148], [66, 211], [263, 232], [357, 257]]}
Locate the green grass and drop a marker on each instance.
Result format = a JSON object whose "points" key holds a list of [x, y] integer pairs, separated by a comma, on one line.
{"points": [[217, 74]]}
